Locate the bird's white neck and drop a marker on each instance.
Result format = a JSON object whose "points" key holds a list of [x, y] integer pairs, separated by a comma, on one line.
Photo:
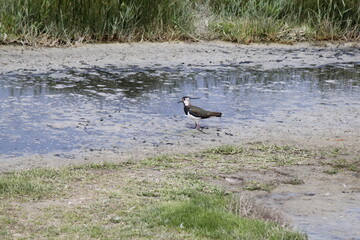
{"points": [[187, 101]]}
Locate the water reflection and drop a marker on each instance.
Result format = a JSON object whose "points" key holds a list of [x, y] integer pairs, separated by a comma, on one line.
{"points": [[74, 108]]}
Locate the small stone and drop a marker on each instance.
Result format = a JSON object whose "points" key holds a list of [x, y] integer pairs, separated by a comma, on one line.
{"points": [[310, 194]]}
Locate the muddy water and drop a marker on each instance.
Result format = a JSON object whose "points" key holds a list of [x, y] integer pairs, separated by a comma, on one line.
{"points": [[106, 107]]}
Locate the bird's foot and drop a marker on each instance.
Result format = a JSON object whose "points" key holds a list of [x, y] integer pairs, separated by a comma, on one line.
{"points": [[202, 130]]}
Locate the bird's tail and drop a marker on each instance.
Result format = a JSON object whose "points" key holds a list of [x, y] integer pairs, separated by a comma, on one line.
{"points": [[215, 114]]}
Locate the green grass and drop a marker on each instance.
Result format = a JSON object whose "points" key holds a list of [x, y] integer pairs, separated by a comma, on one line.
{"points": [[258, 155], [163, 197], [37, 183], [54, 22], [285, 20], [207, 216], [227, 150], [163, 161], [343, 163], [295, 181], [331, 171], [255, 186], [339, 159]]}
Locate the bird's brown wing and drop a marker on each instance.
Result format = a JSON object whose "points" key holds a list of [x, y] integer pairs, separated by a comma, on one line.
{"points": [[201, 113]]}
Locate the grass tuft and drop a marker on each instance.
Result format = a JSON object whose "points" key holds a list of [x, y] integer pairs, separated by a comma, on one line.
{"points": [[247, 207], [207, 216], [256, 186], [37, 183], [162, 161], [226, 150], [19, 186], [103, 166]]}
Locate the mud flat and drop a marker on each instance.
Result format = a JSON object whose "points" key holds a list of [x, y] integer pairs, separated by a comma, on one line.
{"points": [[329, 123], [267, 56]]}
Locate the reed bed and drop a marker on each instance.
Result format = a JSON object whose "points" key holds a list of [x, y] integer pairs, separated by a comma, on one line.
{"points": [[54, 22], [287, 20], [74, 21]]}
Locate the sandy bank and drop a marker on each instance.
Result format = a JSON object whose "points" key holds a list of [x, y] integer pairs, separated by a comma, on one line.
{"points": [[267, 56]]}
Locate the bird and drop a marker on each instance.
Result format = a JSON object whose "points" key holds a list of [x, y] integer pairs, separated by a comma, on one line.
{"points": [[196, 113]]}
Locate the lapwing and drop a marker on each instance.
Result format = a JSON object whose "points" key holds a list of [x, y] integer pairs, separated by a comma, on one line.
{"points": [[196, 113]]}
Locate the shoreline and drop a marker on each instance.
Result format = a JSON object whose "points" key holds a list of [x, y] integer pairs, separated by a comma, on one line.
{"points": [[207, 55]]}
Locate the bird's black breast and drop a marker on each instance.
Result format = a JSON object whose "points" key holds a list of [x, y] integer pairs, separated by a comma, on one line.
{"points": [[186, 110]]}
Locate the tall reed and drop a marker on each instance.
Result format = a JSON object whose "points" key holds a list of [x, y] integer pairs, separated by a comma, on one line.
{"points": [[329, 18], [70, 21], [287, 20]]}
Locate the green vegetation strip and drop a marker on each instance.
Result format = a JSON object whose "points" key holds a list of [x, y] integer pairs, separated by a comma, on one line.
{"points": [[164, 197], [207, 216], [54, 22]]}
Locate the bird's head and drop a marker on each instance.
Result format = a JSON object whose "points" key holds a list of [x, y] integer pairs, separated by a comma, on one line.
{"points": [[185, 100]]}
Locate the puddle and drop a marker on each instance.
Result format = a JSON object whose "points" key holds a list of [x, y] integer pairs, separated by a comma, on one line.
{"points": [[107, 107], [318, 222], [321, 216], [324, 206], [336, 227]]}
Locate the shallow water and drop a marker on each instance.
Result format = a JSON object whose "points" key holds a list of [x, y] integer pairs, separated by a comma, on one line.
{"points": [[336, 228], [102, 107], [94, 108], [335, 223]]}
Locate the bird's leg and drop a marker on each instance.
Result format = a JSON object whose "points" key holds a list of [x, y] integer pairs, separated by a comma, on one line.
{"points": [[197, 125], [199, 128]]}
